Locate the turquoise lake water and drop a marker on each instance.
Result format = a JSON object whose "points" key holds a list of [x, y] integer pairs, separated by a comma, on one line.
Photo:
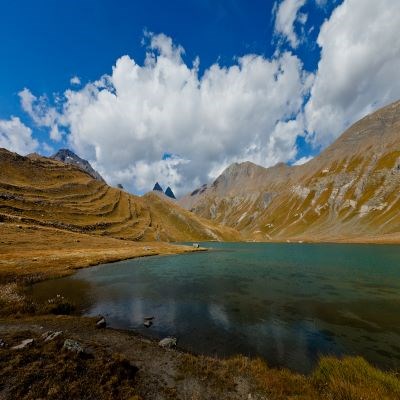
{"points": [[287, 303]]}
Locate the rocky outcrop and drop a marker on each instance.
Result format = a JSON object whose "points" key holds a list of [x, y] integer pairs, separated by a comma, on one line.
{"points": [[158, 188], [170, 193], [68, 157]]}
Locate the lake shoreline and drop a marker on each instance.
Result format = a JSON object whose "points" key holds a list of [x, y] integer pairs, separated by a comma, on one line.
{"points": [[165, 373]]}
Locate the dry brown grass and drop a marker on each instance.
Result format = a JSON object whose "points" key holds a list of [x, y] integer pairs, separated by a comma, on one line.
{"points": [[45, 192], [45, 371], [351, 378]]}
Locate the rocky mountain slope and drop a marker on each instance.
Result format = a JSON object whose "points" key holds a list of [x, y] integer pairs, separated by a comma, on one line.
{"points": [[68, 157], [349, 192], [46, 192]]}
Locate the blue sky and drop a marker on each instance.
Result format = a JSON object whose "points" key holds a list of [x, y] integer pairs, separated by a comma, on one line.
{"points": [[45, 43]]}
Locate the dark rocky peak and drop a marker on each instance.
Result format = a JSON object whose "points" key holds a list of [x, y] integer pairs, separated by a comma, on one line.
{"points": [[68, 157], [158, 188], [170, 193]]}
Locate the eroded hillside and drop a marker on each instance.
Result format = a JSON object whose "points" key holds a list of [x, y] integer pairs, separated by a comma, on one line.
{"points": [[349, 192], [46, 192]]}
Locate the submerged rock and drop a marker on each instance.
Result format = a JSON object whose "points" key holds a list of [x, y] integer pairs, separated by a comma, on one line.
{"points": [[148, 323], [25, 343], [168, 342], [73, 346]]}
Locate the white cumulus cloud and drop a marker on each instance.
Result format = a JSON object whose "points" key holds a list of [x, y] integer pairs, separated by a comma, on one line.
{"points": [[359, 67], [40, 112], [126, 121], [15, 136], [75, 80], [287, 12]]}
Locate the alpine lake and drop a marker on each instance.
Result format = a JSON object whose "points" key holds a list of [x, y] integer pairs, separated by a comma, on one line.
{"points": [[287, 303]]}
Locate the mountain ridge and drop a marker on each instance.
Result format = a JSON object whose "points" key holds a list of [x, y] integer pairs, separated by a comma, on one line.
{"points": [[69, 157], [46, 192], [349, 191]]}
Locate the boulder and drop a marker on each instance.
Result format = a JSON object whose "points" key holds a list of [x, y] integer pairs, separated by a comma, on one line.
{"points": [[168, 342], [25, 343], [147, 323], [73, 346]]}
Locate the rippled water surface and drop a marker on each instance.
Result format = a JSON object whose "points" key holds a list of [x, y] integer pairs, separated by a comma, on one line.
{"points": [[288, 303]]}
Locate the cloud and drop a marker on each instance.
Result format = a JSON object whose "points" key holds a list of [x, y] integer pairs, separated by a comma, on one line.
{"points": [[41, 113], [15, 136], [125, 122], [75, 80], [359, 67], [303, 160], [287, 12]]}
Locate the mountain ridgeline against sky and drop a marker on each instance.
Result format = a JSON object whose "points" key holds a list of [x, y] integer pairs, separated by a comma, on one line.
{"points": [[351, 191], [168, 192], [68, 157]]}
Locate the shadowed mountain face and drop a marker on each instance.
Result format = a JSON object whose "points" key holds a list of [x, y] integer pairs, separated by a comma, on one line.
{"points": [[350, 191], [47, 192], [170, 193], [158, 188], [68, 157]]}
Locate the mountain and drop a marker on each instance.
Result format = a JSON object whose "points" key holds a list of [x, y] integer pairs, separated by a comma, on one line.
{"points": [[45, 192], [350, 192], [68, 157], [170, 193], [158, 188]]}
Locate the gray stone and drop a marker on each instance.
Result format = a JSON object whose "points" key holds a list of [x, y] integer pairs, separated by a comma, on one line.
{"points": [[2, 344], [51, 335], [101, 323], [73, 346], [147, 323], [25, 343], [168, 342]]}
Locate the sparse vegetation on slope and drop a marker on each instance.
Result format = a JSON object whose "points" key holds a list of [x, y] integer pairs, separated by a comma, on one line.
{"points": [[118, 365], [350, 192]]}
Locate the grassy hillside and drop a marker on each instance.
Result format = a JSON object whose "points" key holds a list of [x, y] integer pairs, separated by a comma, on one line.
{"points": [[45, 192]]}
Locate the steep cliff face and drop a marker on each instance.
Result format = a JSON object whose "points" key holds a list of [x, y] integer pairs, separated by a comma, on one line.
{"points": [[46, 192], [350, 191]]}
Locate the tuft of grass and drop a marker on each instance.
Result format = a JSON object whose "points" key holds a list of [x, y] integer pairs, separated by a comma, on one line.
{"points": [[353, 378]]}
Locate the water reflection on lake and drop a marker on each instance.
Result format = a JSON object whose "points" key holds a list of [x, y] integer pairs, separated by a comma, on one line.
{"points": [[287, 303]]}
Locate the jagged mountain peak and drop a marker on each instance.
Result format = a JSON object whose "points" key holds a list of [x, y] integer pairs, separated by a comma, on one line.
{"points": [[69, 157], [170, 193], [157, 187]]}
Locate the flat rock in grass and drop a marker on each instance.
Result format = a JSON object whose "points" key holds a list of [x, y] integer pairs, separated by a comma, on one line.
{"points": [[168, 342], [73, 346], [51, 335], [25, 343], [101, 323]]}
